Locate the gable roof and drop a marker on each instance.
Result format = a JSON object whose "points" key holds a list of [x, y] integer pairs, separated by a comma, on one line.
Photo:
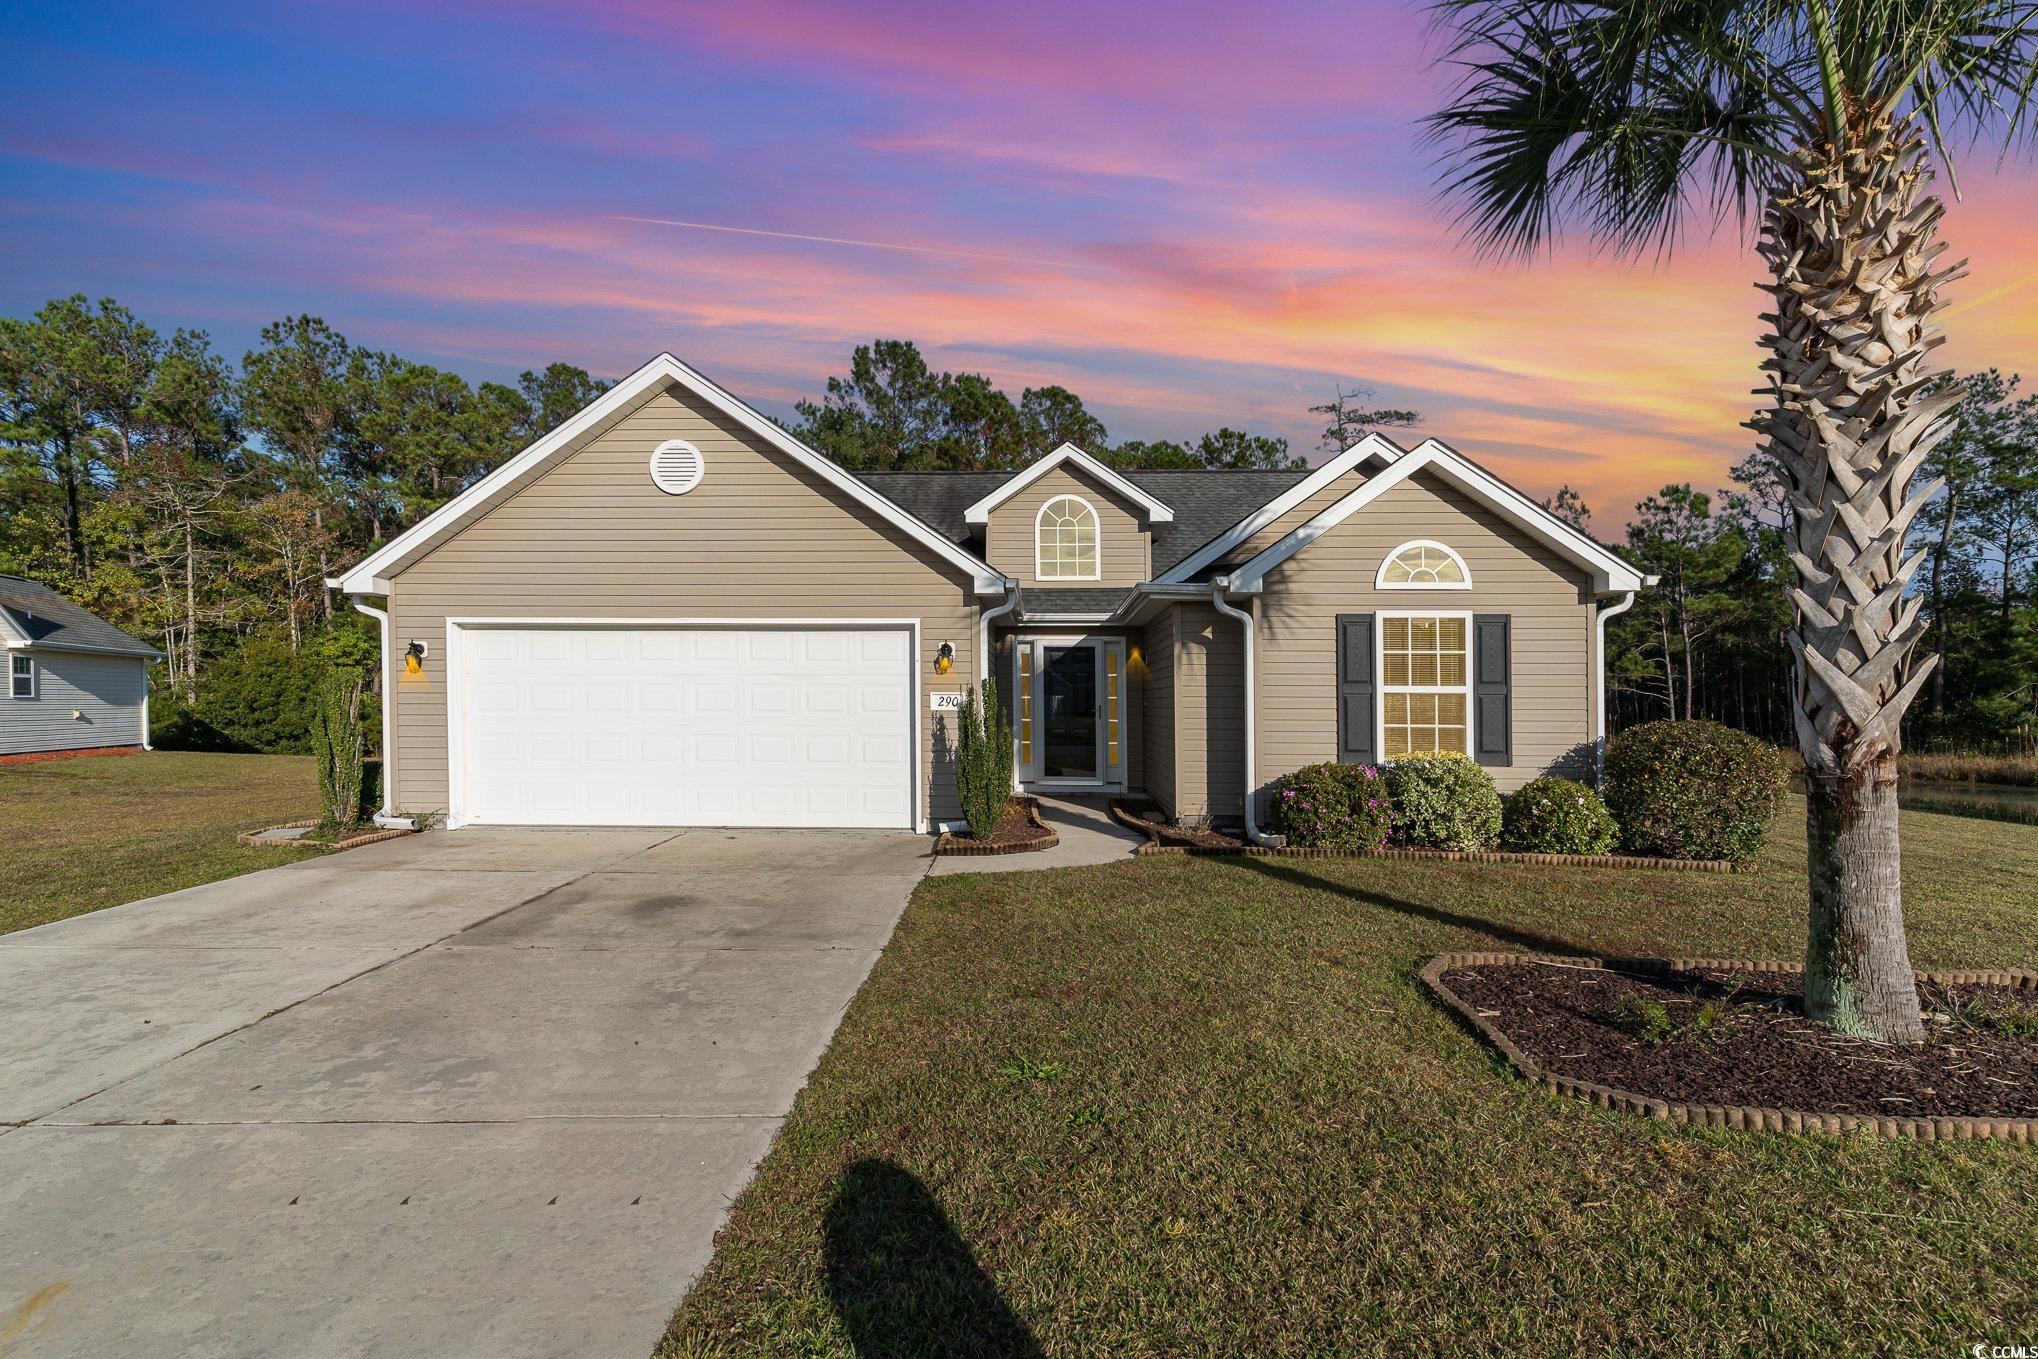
{"points": [[1373, 445], [373, 574], [34, 617], [980, 513], [1609, 571], [1205, 502]]}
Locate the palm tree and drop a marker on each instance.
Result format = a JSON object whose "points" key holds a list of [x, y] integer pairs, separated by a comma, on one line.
{"points": [[1628, 119]]}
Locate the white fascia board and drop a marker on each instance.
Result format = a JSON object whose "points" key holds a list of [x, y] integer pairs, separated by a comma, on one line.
{"points": [[1373, 445], [980, 513], [373, 575], [1149, 593], [1609, 572]]}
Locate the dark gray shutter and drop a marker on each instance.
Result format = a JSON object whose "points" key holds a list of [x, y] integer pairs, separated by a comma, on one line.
{"points": [[1492, 715], [1355, 689]]}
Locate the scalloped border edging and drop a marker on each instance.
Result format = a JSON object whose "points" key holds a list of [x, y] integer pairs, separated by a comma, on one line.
{"points": [[1153, 845], [949, 844], [1961, 1129], [253, 839]]}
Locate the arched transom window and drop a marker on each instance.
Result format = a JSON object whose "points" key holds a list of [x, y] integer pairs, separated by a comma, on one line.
{"points": [[1424, 565], [1065, 540]]}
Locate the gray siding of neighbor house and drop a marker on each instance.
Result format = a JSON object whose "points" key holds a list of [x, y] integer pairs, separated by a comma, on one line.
{"points": [[1209, 710], [107, 690], [1124, 549], [1548, 599], [762, 537]]}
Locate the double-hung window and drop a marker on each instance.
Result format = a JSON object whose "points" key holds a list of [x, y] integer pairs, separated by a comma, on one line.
{"points": [[1425, 684], [21, 676]]}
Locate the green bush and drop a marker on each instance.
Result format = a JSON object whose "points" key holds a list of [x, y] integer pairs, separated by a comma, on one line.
{"points": [[983, 760], [1332, 806], [336, 745], [1443, 802], [1556, 816], [258, 697], [1692, 790]]}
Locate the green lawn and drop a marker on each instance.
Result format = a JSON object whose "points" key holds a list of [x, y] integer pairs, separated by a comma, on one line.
{"points": [[1201, 1107], [76, 835]]}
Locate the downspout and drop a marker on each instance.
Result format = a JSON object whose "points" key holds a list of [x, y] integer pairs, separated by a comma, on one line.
{"points": [[1252, 829], [1599, 670], [145, 707], [386, 817], [984, 661]]}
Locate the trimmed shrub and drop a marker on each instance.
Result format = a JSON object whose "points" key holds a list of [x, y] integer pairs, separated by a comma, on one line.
{"points": [[336, 743], [257, 698], [1443, 802], [1332, 806], [1692, 790], [1556, 816], [983, 760]]}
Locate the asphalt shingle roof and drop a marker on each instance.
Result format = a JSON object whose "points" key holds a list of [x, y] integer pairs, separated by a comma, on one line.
{"points": [[1045, 601], [47, 619], [1205, 503]]}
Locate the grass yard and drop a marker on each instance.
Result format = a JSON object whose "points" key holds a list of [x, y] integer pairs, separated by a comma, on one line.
{"points": [[98, 831], [1201, 1107]]}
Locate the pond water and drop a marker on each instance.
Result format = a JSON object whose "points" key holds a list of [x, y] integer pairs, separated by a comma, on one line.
{"points": [[1990, 801]]}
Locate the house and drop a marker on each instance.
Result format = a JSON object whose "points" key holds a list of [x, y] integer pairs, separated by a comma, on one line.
{"points": [[74, 681], [669, 611]]}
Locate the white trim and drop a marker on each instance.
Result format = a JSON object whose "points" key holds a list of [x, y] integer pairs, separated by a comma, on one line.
{"points": [[1096, 529], [388, 662], [34, 678], [149, 654], [1380, 581], [1156, 512], [1384, 688], [1370, 446], [10, 634], [1609, 572], [1599, 622], [145, 708], [1102, 644], [455, 674], [373, 574]]}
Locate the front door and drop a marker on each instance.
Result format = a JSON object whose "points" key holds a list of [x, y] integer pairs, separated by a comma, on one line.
{"points": [[1070, 697]]}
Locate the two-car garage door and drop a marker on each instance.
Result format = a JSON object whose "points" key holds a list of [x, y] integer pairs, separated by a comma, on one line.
{"points": [[683, 726]]}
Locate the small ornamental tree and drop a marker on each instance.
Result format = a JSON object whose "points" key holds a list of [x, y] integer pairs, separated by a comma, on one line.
{"points": [[983, 760], [336, 743]]}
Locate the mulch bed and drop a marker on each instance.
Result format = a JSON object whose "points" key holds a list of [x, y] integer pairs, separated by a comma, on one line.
{"points": [[1019, 830], [1732, 1045], [87, 752], [1164, 837]]}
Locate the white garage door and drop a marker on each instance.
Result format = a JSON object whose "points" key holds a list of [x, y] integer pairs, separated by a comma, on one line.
{"points": [[689, 726]]}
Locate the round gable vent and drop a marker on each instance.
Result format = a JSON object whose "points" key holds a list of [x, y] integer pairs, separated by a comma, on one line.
{"points": [[676, 467]]}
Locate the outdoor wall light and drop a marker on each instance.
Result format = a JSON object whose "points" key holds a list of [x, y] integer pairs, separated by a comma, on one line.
{"points": [[414, 658], [944, 658]]}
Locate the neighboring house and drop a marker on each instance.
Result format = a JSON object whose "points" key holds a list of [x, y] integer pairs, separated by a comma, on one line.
{"points": [[74, 681], [670, 611]]}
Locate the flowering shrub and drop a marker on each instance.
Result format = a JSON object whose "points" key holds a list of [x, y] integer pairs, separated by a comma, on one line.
{"points": [[1692, 790], [1556, 816], [1332, 806], [1443, 802]]}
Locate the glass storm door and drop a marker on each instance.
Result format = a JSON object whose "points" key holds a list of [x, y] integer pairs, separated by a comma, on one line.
{"points": [[1068, 693]]}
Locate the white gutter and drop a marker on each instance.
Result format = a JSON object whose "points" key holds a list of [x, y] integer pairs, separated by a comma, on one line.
{"points": [[1252, 830], [1599, 670], [386, 817]]}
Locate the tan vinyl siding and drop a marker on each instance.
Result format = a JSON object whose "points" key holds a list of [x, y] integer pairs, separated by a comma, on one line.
{"points": [[1157, 729], [1124, 549], [762, 537], [106, 692], [1209, 713], [1547, 597]]}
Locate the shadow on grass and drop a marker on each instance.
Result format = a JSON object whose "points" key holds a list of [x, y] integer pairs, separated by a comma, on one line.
{"points": [[901, 1279], [1284, 870]]}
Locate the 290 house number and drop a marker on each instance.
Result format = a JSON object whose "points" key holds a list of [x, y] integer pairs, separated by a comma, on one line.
{"points": [[945, 702]]}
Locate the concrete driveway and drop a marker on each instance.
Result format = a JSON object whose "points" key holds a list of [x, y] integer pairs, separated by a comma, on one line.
{"points": [[480, 1093]]}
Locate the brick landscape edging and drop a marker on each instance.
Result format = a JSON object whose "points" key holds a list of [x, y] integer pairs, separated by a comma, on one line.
{"points": [[1963, 1129], [1153, 845], [253, 839], [948, 843], [44, 756]]}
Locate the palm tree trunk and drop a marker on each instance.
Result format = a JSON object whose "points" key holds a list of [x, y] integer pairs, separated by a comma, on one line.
{"points": [[1850, 245]]}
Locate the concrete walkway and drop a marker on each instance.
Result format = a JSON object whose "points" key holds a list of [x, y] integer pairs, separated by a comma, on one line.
{"points": [[1088, 836], [479, 1093]]}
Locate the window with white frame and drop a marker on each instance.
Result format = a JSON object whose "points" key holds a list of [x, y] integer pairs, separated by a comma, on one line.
{"points": [[21, 676], [1425, 685], [1065, 540], [1423, 565]]}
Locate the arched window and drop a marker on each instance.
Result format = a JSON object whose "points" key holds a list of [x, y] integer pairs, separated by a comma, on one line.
{"points": [[1423, 565], [1065, 540]]}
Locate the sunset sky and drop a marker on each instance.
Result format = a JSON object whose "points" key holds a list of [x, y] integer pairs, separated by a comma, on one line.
{"points": [[1190, 213]]}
